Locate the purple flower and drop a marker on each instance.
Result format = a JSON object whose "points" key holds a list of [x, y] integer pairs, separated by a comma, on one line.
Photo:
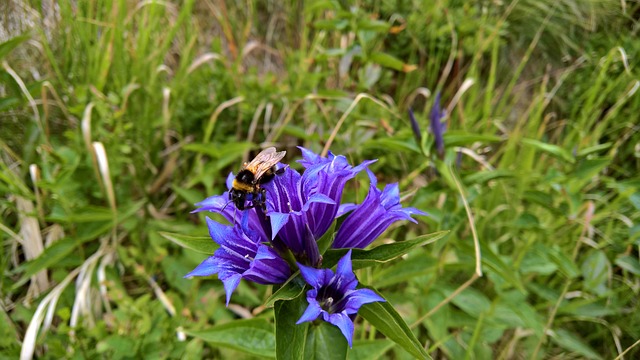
{"points": [[220, 204], [438, 127], [301, 208], [241, 256], [371, 218], [334, 296], [415, 127]]}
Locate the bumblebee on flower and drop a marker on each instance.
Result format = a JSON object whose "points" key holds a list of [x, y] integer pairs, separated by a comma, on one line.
{"points": [[266, 244]]}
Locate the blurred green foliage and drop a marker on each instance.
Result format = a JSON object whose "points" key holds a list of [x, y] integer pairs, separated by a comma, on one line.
{"points": [[542, 125]]}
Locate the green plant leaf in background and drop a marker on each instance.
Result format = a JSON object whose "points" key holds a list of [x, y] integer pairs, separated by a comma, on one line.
{"points": [[291, 338], [7, 46], [571, 342], [252, 336], [369, 349], [555, 150], [386, 319], [288, 291], [201, 244], [382, 253], [325, 341]]}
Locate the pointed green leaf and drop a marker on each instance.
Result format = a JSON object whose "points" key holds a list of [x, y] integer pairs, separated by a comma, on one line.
{"points": [[629, 263], [291, 339], [456, 138], [325, 341], [572, 342], [201, 244], [563, 261], [369, 349], [236, 149], [390, 144], [390, 61], [288, 291], [7, 46], [50, 256], [384, 317], [550, 149], [596, 271], [482, 177], [252, 336], [380, 254]]}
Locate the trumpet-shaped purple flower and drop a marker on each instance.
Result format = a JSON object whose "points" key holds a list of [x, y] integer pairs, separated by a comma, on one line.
{"points": [[371, 218], [241, 256], [334, 296], [220, 204], [301, 208]]}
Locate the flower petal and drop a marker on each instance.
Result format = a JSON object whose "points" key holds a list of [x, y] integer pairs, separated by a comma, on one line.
{"points": [[359, 297], [206, 268], [371, 218], [343, 322], [267, 267], [278, 221], [344, 268], [315, 277], [230, 284], [345, 208], [229, 181], [311, 312]]}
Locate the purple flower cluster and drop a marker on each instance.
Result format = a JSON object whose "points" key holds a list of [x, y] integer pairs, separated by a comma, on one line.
{"points": [[267, 248]]}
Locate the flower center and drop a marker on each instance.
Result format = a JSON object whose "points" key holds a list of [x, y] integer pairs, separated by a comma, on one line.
{"points": [[330, 299]]}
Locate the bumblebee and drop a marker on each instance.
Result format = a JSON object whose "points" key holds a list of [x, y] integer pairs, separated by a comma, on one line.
{"points": [[259, 171]]}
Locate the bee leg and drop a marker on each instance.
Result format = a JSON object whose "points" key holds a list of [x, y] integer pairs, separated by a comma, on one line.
{"points": [[263, 199]]}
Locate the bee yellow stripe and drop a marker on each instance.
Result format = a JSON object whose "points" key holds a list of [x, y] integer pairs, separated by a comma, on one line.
{"points": [[241, 186]]}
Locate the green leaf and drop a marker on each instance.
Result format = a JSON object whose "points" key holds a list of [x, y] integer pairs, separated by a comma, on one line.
{"points": [[370, 349], [543, 199], [252, 336], [629, 263], [380, 254], [290, 338], [495, 263], [390, 144], [564, 263], [365, 23], [325, 341], [327, 239], [384, 317], [87, 214], [585, 171], [389, 61], [572, 342], [550, 149], [457, 138], [201, 244], [483, 177], [596, 148], [50, 256], [405, 270], [220, 151], [288, 291], [7, 46], [596, 271]]}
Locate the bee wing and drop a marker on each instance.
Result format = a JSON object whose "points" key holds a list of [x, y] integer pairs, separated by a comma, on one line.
{"points": [[264, 161]]}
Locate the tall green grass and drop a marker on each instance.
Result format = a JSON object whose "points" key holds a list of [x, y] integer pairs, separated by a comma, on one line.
{"points": [[542, 134]]}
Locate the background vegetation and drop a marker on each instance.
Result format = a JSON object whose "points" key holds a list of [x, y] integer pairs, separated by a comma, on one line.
{"points": [[117, 116]]}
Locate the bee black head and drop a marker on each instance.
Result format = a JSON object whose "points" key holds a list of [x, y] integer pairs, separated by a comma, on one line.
{"points": [[245, 177], [237, 198]]}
